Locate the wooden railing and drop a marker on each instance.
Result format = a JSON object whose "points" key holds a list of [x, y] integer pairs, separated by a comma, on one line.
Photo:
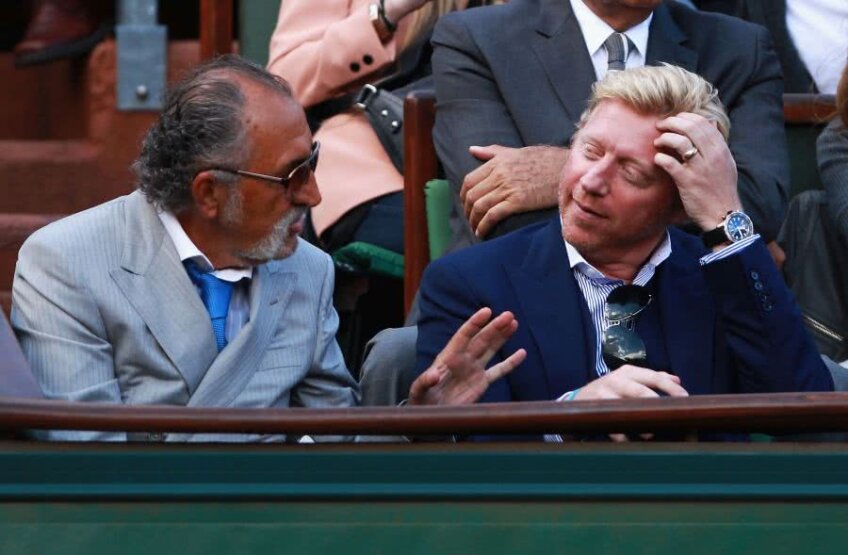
{"points": [[773, 413], [808, 108]]}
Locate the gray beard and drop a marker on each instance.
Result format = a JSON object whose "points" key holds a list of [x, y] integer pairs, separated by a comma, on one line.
{"points": [[273, 246]]}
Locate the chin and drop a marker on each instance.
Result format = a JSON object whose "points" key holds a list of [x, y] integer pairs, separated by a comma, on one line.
{"points": [[273, 247]]}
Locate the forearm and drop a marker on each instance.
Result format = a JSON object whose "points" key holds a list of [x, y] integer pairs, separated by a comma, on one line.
{"points": [[325, 52], [761, 325]]}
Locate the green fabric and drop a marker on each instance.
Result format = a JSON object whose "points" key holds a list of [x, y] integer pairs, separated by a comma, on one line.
{"points": [[367, 258], [437, 196]]}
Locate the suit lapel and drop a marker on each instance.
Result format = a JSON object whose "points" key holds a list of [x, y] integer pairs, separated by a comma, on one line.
{"points": [[666, 42], [553, 308], [561, 50], [688, 318], [270, 293], [155, 283]]}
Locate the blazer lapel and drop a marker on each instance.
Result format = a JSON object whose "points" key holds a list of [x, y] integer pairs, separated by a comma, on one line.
{"points": [[561, 50], [688, 319], [155, 283], [270, 293], [553, 308], [666, 42]]}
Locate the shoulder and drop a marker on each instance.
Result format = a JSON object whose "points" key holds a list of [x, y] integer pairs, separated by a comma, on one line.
{"points": [[485, 19], [308, 261], [707, 25], [483, 258], [84, 232]]}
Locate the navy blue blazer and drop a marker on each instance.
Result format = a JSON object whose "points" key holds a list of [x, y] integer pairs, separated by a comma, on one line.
{"points": [[728, 327]]}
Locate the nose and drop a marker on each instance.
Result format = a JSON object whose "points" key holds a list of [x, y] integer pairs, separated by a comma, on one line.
{"points": [[308, 193], [597, 177]]}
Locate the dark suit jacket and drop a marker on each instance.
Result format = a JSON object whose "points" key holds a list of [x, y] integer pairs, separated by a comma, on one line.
{"points": [[728, 327], [771, 14], [519, 74]]}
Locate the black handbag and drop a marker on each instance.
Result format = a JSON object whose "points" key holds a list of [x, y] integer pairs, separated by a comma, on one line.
{"points": [[384, 111], [816, 270]]}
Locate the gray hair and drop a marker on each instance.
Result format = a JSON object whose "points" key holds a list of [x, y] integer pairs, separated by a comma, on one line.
{"points": [[200, 126], [660, 90]]}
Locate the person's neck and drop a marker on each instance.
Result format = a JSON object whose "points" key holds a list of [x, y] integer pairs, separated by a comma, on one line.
{"points": [[207, 238], [618, 17], [622, 264]]}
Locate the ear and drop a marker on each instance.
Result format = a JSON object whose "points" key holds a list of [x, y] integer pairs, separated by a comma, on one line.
{"points": [[209, 194]]}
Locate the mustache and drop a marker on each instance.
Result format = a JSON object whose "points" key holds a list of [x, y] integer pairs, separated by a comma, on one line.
{"points": [[296, 213]]}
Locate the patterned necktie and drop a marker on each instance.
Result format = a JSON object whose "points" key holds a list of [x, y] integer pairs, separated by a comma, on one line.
{"points": [[615, 52], [215, 294]]}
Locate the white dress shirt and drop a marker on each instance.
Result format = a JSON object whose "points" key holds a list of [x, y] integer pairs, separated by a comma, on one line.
{"points": [[238, 313], [819, 31], [595, 31]]}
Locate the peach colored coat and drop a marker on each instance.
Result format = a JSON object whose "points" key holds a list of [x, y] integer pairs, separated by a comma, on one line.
{"points": [[323, 49]]}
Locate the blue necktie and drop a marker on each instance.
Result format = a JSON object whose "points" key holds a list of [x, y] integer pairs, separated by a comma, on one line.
{"points": [[215, 294]]}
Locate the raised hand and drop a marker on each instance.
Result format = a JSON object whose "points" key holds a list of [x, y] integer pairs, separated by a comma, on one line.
{"points": [[696, 156], [459, 375]]}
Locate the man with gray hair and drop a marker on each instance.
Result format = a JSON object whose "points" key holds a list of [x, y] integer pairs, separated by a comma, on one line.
{"points": [[196, 290], [613, 300]]}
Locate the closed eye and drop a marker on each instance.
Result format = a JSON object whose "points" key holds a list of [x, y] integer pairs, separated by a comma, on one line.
{"points": [[592, 151]]}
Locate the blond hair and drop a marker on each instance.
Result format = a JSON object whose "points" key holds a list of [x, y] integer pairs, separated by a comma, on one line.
{"points": [[660, 90]]}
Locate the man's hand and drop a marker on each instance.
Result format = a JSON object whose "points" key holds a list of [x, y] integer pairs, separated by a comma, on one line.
{"points": [[631, 382], [459, 376], [513, 180], [705, 176]]}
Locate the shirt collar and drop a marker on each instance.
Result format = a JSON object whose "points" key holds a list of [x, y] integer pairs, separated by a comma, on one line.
{"points": [[579, 264], [595, 30], [187, 250]]}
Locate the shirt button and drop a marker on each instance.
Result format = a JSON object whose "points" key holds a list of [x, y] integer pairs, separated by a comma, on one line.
{"points": [[755, 275], [758, 285], [368, 59], [354, 67]]}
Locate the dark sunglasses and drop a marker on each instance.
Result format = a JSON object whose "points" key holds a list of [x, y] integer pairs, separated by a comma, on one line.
{"points": [[621, 344], [296, 178]]}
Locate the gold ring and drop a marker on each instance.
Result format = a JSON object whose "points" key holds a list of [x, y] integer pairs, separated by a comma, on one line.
{"points": [[689, 154]]}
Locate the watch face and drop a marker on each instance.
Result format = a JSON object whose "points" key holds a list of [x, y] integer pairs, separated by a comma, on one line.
{"points": [[738, 226]]}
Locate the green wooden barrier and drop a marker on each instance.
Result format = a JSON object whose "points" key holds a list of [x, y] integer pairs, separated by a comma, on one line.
{"points": [[431, 498]]}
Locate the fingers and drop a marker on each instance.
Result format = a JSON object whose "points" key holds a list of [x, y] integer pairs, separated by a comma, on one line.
{"points": [[492, 336], [480, 201], [493, 217], [428, 379], [656, 381], [632, 382], [484, 153], [468, 331], [698, 129], [503, 368], [472, 180]]}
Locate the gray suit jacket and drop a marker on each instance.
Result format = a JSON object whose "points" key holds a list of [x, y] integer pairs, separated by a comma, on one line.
{"points": [[519, 74], [771, 14], [104, 311]]}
